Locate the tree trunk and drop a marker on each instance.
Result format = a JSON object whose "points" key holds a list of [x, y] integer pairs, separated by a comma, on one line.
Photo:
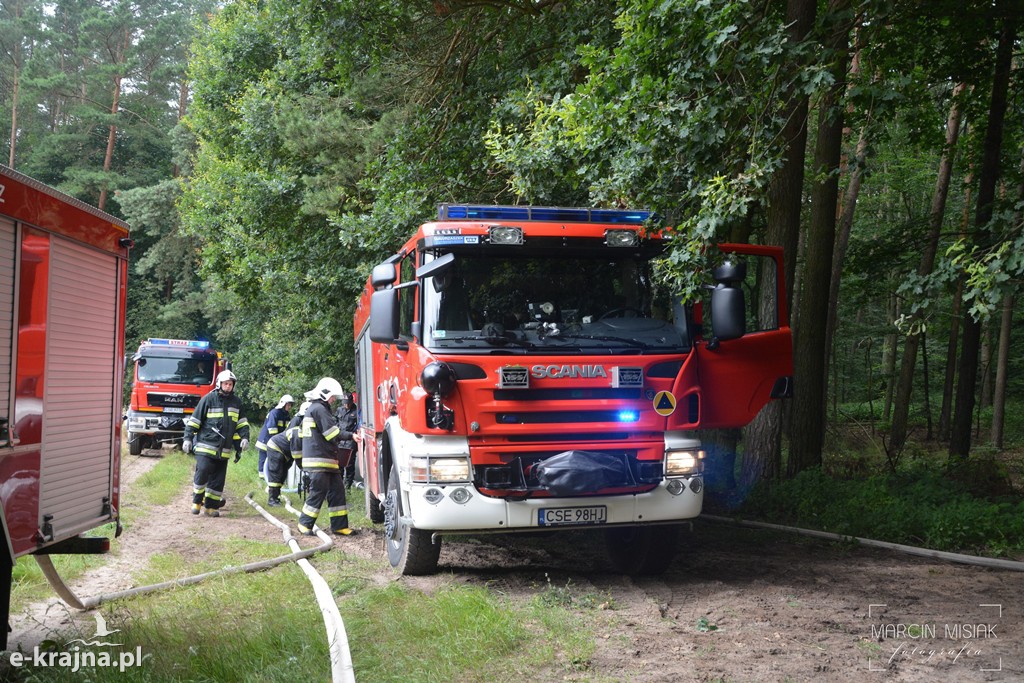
{"points": [[960, 437], [905, 386], [14, 116], [889, 350], [762, 456], [807, 434], [999, 397]]}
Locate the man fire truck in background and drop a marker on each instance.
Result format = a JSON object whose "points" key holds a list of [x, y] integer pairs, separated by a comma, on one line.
{"points": [[171, 375], [519, 369], [63, 273]]}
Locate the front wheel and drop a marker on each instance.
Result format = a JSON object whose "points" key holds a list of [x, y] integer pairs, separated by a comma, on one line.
{"points": [[642, 550], [374, 509], [135, 443], [410, 550]]}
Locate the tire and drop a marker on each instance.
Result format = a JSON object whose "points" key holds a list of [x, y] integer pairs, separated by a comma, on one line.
{"points": [[135, 443], [374, 508], [410, 550], [642, 551]]}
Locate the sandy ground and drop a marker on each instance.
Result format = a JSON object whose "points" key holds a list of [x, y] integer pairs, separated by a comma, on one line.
{"points": [[736, 605]]}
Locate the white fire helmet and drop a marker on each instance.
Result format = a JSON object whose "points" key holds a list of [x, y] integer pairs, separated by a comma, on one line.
{"points": [[285, 400], [225, 376], [327, 387], [303, 408]]}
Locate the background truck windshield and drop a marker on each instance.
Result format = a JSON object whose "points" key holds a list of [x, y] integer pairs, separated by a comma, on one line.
{"points": [[562, 303], [176, 370]]}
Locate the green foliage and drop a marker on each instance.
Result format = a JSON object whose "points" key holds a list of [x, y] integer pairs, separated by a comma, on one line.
{"points": [[923, 506]]}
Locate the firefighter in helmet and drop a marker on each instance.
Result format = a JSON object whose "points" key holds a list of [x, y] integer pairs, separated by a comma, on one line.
{"points": [[348, 421], [320, 459], [218, 429], [277, 420], [283, 449]]}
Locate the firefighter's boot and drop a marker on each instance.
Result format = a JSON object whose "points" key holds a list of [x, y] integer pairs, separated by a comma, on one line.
{"points": [[196, 507], [273, 502], [212, 512]]}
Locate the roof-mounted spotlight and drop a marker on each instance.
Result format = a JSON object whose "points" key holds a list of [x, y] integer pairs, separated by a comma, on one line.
{"points": [[504, 234], [621, 238]]}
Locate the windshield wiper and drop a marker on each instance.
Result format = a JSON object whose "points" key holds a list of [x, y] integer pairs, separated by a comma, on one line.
{"points": [[493, 340], [634, 343]]}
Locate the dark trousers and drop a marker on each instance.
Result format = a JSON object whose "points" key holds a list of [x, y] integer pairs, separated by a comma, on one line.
{"points": [[325, 484], [263, 452], [208, 484], [278, 464]]}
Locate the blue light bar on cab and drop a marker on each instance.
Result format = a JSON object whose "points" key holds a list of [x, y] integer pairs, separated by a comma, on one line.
{"points": [[483, 212], [187, 343]]}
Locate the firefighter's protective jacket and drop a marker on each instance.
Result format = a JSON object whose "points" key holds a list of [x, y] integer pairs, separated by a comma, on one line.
{"points": [[219, 423], [289, 442], [320, 437], [275, 423]]}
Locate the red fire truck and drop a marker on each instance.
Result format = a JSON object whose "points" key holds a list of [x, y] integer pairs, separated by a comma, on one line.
{"points": [[519, 369], [171, 375], [63, 269]]}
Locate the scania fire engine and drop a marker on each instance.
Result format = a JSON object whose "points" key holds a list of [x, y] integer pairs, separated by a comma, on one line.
{"points": [[63, 270], [171, 375], [521, 369]]}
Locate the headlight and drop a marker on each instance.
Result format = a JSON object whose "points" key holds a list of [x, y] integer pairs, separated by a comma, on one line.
{"points": [[439, 470], [683, 463]]}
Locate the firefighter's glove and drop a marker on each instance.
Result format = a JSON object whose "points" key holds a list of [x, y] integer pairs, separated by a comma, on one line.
{"points": [[238, 455], [186, 445], [244, 444]]}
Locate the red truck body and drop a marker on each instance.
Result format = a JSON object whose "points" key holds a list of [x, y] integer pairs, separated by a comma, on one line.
{"points": [[519, 369], [63, 273]]}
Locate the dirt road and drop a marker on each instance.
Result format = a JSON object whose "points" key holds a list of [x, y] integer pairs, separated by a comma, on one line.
{"points": [[736, 605]]}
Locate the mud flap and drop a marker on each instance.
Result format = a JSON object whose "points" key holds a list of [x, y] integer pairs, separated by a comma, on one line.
{"points": [[577, 472]]}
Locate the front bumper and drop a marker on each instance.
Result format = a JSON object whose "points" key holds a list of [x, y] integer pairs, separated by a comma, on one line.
{"points": [[485, 514], [155, 423]]}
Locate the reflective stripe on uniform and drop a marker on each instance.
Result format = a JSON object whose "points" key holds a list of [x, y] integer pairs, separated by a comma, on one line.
{"points": [[320, 464], [337, 512], [274, 486], [310, 512], [214, 495], [332, 432]]}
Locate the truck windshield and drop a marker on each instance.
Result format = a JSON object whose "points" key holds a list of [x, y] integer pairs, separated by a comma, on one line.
{"points": [[562, 303], [176, 370]]}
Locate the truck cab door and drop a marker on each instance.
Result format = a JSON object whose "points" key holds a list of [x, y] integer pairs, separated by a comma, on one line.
{"points": [[738, 375]]}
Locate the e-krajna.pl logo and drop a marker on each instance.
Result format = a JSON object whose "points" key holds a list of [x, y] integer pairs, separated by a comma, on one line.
{"points": [[76, 658]]}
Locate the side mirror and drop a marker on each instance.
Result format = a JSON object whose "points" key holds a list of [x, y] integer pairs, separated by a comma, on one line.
{"points": [[383, 275], [384, 315], [437, 269], [728, 304]]}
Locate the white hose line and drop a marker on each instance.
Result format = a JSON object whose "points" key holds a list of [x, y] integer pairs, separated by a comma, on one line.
{"points": [[337, 639], [68, 596], [992, 562]]}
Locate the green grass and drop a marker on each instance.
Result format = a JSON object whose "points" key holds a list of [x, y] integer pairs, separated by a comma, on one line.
{"points": [[922, 505], [267, 626]]}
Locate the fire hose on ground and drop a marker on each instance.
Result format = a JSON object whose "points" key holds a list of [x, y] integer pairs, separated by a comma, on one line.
{"points": [[992, 562], [341, 659]]}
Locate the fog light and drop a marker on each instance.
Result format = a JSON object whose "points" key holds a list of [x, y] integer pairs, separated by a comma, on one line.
{"points": [[697, 485], [433, 496], [675, 487], [460, 496]]}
